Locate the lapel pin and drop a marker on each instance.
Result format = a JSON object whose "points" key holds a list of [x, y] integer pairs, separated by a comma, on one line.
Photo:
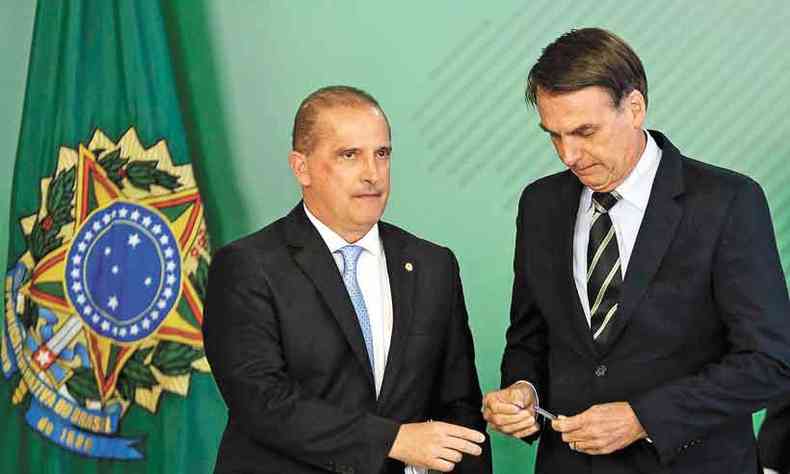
{"points": [[408, 266]]}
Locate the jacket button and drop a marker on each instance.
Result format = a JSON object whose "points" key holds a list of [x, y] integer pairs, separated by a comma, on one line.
{"points": [[600, 371]]}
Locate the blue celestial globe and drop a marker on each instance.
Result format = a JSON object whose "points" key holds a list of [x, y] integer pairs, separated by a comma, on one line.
{"points": [[123, 271]]}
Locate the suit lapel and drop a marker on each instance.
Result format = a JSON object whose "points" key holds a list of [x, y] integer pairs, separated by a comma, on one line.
{"points": [[659, 225], [569, 203], [313, 257], [402, 284]]}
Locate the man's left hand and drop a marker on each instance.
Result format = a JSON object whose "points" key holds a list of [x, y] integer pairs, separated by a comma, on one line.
{"points": [[601, 429]]}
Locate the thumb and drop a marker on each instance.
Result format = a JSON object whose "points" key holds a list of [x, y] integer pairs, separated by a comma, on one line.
{"points": [[517, 396]]}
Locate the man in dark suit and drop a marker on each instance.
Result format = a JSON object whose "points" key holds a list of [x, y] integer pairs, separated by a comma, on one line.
{"points": [[649, 304], [341, 343]]}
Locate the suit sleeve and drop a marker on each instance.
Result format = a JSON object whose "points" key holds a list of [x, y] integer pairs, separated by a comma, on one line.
{"points": [[244, 349], [459, 398], [748, 287], [774, 437], [526, 348]]}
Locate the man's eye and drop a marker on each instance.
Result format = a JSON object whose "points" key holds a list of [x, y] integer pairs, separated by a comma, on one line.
{"points": [[383, 153], [349, 154]]}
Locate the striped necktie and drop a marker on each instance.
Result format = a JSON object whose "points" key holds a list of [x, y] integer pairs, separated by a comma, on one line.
{"points": [[604, 276]]}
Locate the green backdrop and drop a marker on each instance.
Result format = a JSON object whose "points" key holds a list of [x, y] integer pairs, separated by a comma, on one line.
{"points": [[450, 75]]}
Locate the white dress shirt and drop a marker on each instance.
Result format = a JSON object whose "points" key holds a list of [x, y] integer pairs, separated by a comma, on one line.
{"points": [[374, 283], [626, 217]]}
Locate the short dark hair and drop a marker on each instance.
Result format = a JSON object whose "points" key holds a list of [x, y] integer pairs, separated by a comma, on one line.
{"points": [[303, 137], [587, 57]]}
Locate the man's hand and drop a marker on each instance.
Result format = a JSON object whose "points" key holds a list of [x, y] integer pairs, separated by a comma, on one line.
{"points": [[601, 429], [512, 410], [435, 445]]}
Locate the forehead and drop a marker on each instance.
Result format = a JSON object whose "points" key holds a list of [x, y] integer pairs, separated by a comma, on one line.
{"points": [[362, 124], [563, 112]]}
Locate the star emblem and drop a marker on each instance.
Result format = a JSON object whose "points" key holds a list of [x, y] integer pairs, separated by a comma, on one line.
{"points": [[180, 209], [43, 357], [112, 303], [134, 240]]}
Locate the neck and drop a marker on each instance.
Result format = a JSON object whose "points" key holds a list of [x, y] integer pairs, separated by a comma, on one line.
{"points": [[349, 235]]}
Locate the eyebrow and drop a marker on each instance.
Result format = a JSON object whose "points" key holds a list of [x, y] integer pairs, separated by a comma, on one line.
{"points": [[341, 150], [344, 149], [579, 129]]}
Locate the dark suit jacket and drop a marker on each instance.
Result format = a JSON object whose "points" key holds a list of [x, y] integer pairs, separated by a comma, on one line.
{"points": [[701, 338], [287, 353], [774, 439]]}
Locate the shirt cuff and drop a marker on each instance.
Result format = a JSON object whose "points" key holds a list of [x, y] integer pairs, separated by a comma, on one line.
{"points": [[534, 390]]}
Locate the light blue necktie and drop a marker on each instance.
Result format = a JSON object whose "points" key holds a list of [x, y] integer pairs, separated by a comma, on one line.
{"points": [[351, 255]]}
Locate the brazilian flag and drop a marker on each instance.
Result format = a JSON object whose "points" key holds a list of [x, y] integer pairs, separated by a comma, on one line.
{"points": [[103, 368]]}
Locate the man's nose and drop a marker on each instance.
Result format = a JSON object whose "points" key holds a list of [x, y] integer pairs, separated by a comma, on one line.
{"points": [[570, 153], [370, 172]]}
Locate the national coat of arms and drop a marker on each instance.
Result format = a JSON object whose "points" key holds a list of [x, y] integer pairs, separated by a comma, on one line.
{"points": [[103, 310]]}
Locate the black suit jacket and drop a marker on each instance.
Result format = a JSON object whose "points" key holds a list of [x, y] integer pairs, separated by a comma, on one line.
{"points": [[774, 439], [701, 338], [287, 353]]}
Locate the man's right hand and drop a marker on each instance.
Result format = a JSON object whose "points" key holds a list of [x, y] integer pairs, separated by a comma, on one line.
{"points": [[435, 445], [512, 410]]}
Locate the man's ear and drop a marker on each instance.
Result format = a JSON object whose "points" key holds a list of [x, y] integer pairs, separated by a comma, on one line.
{"points": [[298, 163], [635, 102]]}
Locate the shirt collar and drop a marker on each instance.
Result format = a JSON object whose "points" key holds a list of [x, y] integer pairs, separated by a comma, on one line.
{"points": [[370, 242], [635, 189]]}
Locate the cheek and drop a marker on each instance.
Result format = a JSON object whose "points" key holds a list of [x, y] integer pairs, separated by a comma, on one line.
{"points": [[385, 173]]}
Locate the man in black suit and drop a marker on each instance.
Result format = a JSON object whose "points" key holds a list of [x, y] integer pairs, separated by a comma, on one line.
{"points": [[649, 304], [341, 343]]}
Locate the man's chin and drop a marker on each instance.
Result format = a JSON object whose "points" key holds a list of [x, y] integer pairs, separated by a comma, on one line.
{"points": [[592, 183], [366, 220]]}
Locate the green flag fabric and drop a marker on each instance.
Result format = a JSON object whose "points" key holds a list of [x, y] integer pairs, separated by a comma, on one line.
{"points": [[102, 355]]}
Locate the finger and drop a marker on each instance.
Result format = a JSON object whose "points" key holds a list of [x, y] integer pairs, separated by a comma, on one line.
{"points": [[450, 455], [518, 425], [505, 408], [578, 436], [500, 396], [595, 446], [462, 446], [526, 393], [564, 424], [465, 433], [439, 464], [527, 432], [594, 451], [519, 418], [517, 396], [585, 435]]}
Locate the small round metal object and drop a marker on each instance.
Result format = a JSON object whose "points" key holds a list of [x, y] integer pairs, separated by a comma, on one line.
{"points": [[600, 371]]}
